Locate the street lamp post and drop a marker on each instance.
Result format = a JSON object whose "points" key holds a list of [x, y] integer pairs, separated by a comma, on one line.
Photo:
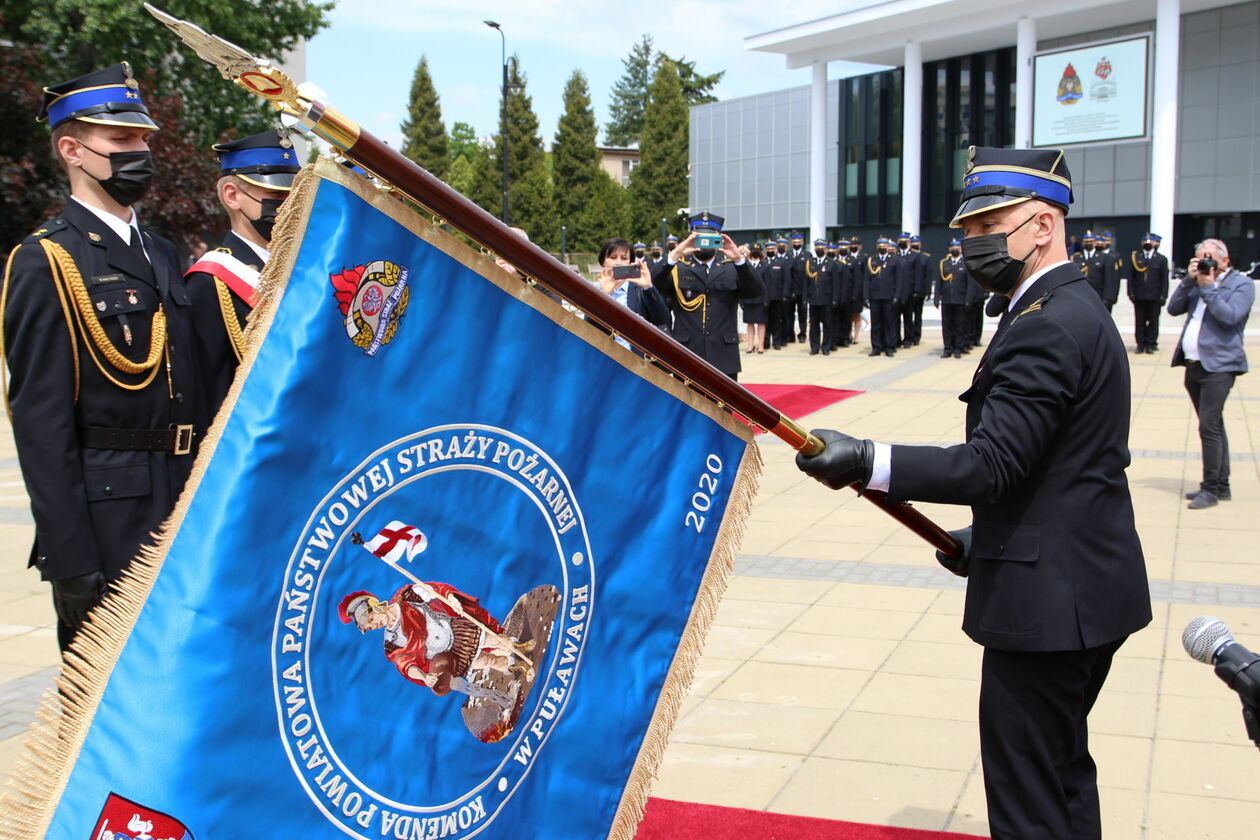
{"points": [[503, 129]]}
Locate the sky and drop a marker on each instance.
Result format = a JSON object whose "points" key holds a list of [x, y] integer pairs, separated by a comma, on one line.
{"points": [[365, 59]]}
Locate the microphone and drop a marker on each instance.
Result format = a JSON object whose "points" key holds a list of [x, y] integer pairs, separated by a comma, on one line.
{"points": [[1208, 640]]}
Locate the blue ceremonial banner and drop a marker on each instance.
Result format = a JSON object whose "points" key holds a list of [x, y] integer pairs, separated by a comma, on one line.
{"points": [[443, 570]]}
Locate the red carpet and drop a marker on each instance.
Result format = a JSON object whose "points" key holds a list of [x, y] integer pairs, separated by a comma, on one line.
{"points": [[670, 820], [796, 401]]}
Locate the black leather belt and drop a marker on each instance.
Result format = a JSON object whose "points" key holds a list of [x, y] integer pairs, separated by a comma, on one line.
{"points": [[176, 439]]}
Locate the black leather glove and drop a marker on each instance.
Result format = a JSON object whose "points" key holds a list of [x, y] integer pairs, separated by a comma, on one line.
{"points": [[73, 597], [961, 564], [845, 461]]}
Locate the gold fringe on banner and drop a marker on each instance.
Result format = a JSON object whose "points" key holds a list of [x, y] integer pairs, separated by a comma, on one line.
{"points": [[64, 716]]}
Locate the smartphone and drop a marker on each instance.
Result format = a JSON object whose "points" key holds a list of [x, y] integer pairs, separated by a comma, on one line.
{"points": [[705, 241], [625, 272]]}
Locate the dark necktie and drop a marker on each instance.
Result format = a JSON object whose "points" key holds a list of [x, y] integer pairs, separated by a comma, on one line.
{"points": [[134, 244]]}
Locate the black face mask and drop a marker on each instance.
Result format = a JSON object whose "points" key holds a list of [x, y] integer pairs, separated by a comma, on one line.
{"points": [[820, 252], [638, 255], [844, 252], [954, 252], [656, 253], [883, 251], [131, 175], [990, 263], [705, 254], [266, 221], [782, 251], [755, 253]]}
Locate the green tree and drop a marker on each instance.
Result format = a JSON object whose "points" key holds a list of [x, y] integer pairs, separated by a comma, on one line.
{"points": [[78, 36], [697, 88], [630, 96], [607, 213], [575, 161], [424, 134], [462, 142], [461, 174], [534, 207], [659, 183]]}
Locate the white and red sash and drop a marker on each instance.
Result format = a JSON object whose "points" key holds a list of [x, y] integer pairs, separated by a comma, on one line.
{"points": [[236, 275]]}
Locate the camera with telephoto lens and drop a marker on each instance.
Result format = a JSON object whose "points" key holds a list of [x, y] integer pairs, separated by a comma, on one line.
{"points": [[626, 272], [1206, 265], [707, 241]]}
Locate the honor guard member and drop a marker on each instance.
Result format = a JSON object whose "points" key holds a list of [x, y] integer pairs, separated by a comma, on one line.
{"points": [[1113, 267], [857, 272], [775, 279], [881, 287], [843, 274], [98, 338], [921, 289], [819, 292], [1047, 426], [1147, 281], [914, 290], [952, 290], [654, 254], [703, 288], [640, 252], [797, 323], [256, 174], [1093, 263]]}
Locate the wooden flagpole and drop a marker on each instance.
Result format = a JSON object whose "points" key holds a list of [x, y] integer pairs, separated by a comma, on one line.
{"points": [[260, 78]]}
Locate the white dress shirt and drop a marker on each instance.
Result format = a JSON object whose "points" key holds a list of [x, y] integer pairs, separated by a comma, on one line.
{"points": [[117, 225]]}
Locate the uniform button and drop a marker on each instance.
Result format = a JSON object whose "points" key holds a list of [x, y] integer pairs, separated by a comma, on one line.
{"points": [[179, 398], [109, 491]]}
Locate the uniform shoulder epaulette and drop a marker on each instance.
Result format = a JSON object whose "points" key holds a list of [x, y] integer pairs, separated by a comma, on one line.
{"points": [[45, 229], [223, 250]]}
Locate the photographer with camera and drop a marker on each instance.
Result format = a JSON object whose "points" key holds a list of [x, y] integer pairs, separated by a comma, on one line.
{"points": [[1218, 300], [629, 283], [703, 282]]}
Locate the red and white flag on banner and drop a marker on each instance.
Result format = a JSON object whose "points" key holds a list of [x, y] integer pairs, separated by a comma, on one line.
{"points": [[397, 541]]}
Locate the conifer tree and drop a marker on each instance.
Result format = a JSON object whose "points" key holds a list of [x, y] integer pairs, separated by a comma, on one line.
{"points": [[659, 184], [607, 213], [630, 96], [575, 161], [697, 89], [424, 135]]}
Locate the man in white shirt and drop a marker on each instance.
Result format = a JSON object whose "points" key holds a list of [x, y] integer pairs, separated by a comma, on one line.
{"points": [[1218, 300], [98, 339]]}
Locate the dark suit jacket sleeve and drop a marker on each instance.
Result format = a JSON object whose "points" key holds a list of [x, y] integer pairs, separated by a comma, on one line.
{"points": [[1230, 302], [747, 281], [1036, 368], [42, 404], [1161, 280], [1180, 303], [662, 281], [653, 307]]}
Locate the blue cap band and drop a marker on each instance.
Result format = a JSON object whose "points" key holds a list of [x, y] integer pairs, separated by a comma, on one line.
{"points": [[79, 100], [258, 157], [1044, 187]]}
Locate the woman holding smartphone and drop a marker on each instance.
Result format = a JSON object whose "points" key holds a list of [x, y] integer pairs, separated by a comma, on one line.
{"points": [[630, 284]]}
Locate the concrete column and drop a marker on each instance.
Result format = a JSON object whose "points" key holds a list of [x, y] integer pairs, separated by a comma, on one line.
{"points": [[818, 154], [1025, 46], [912, 137], [1167, 61]]}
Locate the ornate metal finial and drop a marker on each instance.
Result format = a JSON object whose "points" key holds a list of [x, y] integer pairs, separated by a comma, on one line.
{"points": [[971, 158]]}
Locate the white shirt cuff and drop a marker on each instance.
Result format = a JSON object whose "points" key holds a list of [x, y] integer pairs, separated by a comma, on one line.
{"points": [[881, 472], [741, 261]]}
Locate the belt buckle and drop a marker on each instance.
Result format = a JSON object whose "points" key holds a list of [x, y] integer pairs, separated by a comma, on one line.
{"points": [[183, 439]]}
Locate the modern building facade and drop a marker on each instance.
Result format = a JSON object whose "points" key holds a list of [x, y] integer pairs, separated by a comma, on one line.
{"points": [[885, 152]]}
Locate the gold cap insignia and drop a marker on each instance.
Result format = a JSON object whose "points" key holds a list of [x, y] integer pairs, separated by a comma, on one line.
{"points": [[94, 236], [971, 158]]}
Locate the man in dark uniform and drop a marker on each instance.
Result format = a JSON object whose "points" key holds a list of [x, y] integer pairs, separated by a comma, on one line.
{"points": [[1113, 266], [819, 292], [952, 283], [1047, 448], [654, 254], [914, 279], [1093, 264], [921, 289], [703, 289], [795, 266], [857, 275], [881, 287], [256, 174], [639, 253], [1147, 279], [776, 279], [99, 344], [842, 272]]}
